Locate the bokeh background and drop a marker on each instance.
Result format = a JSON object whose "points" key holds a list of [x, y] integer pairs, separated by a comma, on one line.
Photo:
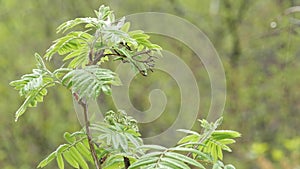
{"points": [[258, 43]]}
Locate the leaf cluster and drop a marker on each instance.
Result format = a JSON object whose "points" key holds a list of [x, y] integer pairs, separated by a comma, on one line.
{"points": [[195, 149], [116, 141], [76, 152]]}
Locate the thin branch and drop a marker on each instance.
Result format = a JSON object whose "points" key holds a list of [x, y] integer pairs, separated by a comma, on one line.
{"points": [[88, 133], [126, 162], [98, 57]]}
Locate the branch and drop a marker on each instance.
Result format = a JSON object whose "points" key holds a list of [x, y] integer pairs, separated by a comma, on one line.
{"points": [[149, 61], [99, 55], [126, 162], [88, 133]]}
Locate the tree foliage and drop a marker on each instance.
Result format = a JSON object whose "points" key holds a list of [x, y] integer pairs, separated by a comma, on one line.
{"points": [[116, 142]]}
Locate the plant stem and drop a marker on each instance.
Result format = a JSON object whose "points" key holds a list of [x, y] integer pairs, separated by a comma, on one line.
{"points": [[126, 162], [88, 133]]}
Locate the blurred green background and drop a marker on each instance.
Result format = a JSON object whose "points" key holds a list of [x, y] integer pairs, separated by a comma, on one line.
{"points": [[258, 43]]}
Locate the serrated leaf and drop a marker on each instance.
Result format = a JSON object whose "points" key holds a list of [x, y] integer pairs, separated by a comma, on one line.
{"points": [[184, 158], [75, 43], [31, 100], [33, 86], [70, 24], [88, 81]]}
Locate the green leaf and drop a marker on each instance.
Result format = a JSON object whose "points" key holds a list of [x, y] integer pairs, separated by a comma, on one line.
{"points": [[60, 149], [223, 134], [79, 159], [152, 154], [103, 13], [75, 43], [40, 63], [134, 140], [219, 152], [34, 97], [153, 147], [218, 165], [69, 138], [68, 157], [183, 149], [115, 165], [106, 89], [60, 161], [126, 27], [115, 141], [189, 138], [123, 142], [33, 86], [88, 81], [61, 71], [176, 163], [70, 24], [84, 151], [114, 161], [47, 160], [227, 141], [184, 158], [143, 162], [188, 132], [229, 166], [213, 151]]}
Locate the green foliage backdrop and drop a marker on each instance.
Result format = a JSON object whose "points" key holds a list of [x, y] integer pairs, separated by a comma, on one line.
{"points": [[260, 59]]}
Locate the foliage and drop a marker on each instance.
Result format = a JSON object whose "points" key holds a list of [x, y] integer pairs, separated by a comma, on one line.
{"points": [[33, 86], [118, 137], [118, 143], [75, 152]]}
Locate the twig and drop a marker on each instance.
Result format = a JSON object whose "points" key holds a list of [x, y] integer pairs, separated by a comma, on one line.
{"points": [[126, 162], [98, 57], [88, 133]]}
